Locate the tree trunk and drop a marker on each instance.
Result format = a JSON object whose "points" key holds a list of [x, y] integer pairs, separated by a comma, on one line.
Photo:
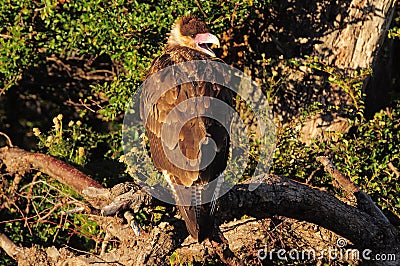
{"points": [[357, 35]]}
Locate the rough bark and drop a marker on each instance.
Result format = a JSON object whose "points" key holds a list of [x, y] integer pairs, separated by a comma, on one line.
{"points": [[357, 35], [18, 160]]}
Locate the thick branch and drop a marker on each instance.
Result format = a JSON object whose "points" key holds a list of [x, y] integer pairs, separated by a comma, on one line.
{"points": [[291, 199], [14, 158], [275, 195]]}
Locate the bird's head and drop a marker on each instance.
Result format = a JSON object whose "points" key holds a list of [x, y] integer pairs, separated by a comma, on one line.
{"points": [[194, 33]]}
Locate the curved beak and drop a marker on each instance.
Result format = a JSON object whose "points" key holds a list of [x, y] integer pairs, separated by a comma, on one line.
{"points": [[202, 39]]}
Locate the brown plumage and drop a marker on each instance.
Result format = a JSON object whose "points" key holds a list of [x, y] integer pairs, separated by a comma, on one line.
{"points": [[188, 41]]}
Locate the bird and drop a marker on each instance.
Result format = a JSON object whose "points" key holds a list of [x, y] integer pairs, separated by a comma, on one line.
{"points": [[188, 40]]}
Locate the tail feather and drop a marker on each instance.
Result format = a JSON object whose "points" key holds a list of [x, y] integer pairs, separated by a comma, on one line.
{"points": [[196, 201], [198, 217], [215, 196], [202, 228]]}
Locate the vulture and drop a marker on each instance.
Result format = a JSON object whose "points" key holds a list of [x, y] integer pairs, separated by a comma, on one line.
{"points": [[188, 40]]}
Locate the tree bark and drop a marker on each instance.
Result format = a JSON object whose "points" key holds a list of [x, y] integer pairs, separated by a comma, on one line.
{"points": [[357, 35], [18, 160]]}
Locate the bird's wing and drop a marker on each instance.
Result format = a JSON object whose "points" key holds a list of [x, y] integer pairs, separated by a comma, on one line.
{"points": [[188, 138]]}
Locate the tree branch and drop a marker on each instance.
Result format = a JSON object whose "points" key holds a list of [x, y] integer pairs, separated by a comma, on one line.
{"points": [[8, 246], [18, 160], [275, 196], [364, 201]]}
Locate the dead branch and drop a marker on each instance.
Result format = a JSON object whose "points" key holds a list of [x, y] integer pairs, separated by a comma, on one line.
{"points": [[24, 256], [8, 246], [343, 181], [394, 169], [9, 143], [18, 160], [364, 201]]}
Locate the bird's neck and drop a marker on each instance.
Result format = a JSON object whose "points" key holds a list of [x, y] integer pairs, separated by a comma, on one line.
{"points": [[174, 36]]}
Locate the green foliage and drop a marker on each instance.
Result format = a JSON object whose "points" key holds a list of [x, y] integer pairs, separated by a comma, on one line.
{"points": [[131, 33], [16, 42], [350, 84], [395, 31], [367, 154], [367, 157], [295, 159], [70, 142]]}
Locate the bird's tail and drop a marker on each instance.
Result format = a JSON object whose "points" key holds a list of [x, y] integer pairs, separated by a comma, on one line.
{"points": [[199, 216], [199, 229], [199, 220]]}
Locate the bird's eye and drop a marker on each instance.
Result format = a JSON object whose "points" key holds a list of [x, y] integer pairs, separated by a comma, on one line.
{"points": [[192, 35]]}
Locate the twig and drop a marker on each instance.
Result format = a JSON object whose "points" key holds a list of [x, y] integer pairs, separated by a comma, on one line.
{"points": [[59, 191], [50, 212], [105, 71], [75, 210], [201, 8], [394, 169], [343, 181], [105, 242], [85, 105], [64, 66], [5, 36], [7, 138], [234, 15], [14, 187], [30, 191]]}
